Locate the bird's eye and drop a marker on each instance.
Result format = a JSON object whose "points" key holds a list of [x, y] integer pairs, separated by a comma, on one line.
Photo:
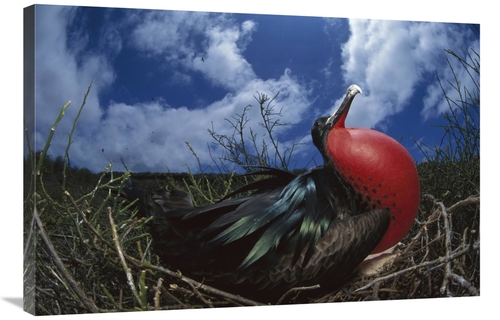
{"points": [[319, 123]]}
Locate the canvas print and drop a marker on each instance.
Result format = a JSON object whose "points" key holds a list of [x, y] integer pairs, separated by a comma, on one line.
{"points": [[181, 160]]}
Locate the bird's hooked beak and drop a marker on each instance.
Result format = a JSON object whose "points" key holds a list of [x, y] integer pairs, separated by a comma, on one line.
{"points": [[324, 125], [337, 119]]}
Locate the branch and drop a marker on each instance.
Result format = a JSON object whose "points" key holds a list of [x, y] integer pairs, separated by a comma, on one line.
{"points": [[439, 261], [119, 250], [462, 203], [297, 289], [194, 283], [447, 244], [157, 288], [464, 283], [87, 302]]}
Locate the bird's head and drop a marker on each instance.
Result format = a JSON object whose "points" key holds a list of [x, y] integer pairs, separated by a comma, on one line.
{"points": [[374, 165]]}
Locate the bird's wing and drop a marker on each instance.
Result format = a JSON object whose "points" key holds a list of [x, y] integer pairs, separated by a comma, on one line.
{"points": [[178, 227], [332, 260], [304, 207]]}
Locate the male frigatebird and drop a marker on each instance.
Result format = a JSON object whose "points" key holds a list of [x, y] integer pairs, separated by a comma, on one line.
{"points": [[314, 228]]}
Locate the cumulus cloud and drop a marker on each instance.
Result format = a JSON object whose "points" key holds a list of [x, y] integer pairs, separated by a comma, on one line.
{"points": [[152, 135], [390, 59], [434, 102], [198, 41], [63, 73], [167, 33], [224, 52]]}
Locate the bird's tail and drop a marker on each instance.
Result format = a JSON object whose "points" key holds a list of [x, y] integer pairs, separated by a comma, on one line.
{"points": [[177, 203]]}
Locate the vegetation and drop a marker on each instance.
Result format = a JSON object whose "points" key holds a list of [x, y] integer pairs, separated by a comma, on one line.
{"points": [[87, 251]]}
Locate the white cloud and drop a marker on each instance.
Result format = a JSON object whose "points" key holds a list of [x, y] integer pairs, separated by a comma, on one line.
{"points": [[434, 102], [210, 44], [389, 59], [64, 74], [167, 33], [151, 135], [224, 64]]}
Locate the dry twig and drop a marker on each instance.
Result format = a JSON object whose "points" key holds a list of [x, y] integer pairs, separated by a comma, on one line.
{"points": [[86, 301], [450, 255], [296, 290]]}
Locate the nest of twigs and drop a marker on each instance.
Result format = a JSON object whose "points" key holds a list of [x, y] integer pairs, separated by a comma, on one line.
{"points": [[92, 254], [438, 258]]}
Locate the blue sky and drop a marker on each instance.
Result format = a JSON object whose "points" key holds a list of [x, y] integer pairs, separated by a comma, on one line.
{"points": [[152, 90]]}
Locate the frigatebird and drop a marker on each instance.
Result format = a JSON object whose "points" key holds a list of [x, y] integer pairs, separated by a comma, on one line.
{"points": [[293, 230]]}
